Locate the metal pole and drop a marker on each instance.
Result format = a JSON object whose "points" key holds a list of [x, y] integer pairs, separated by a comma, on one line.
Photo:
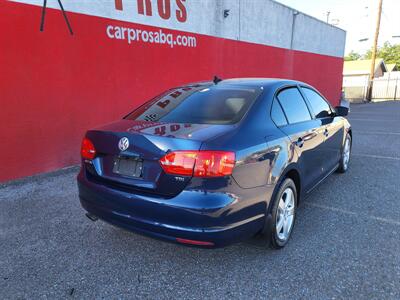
{"points": [[365, 87], [65, 17], [395, 89], [43, 15], [295, 13], [374, 49]]}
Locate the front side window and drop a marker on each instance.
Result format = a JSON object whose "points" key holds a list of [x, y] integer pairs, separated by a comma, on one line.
{"points": [[293, 105], [198, 105], [318, 104]]}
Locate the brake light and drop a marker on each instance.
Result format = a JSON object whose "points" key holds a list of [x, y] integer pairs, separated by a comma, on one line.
{"points": [[214, 163], [179, 162], [87, 149], [199, 163]]}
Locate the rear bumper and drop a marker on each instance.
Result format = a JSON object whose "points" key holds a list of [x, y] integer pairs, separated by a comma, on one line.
{"points": [[220, 218]]}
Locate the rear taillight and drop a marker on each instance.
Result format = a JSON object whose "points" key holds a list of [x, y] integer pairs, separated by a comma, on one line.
{"points": [[214, 163], [87, 149], [179, 162], [199, 163]]}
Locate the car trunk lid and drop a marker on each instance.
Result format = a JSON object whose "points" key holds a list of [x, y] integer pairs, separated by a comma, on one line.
{"points": [[128, 153]]}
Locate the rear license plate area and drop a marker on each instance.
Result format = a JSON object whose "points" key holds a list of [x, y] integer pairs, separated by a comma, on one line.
{"points": [[128, 166]]}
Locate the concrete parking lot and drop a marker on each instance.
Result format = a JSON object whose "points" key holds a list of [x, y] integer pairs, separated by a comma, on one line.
{"points": [[346, 243]]}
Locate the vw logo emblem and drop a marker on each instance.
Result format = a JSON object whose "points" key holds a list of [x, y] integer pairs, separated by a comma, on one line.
{"points": [[123, 144]]}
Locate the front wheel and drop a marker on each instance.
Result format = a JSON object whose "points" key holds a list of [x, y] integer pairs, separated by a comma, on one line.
{"points": [[283, 214], [345, 158]]}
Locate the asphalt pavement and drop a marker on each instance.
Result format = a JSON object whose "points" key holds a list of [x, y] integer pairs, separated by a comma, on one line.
{"points": [[346, 242]]}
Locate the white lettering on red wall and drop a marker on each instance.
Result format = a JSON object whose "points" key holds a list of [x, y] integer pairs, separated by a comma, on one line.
{"points": [[264, 22], [131, 35]]}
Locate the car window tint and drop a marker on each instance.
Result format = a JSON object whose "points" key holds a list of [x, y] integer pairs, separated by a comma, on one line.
{"points": [[277, 114], [198, 105], [319, 106], [293, 105]]}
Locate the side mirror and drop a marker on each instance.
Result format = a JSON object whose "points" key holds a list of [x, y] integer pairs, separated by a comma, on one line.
{"points": [[343, 109]]}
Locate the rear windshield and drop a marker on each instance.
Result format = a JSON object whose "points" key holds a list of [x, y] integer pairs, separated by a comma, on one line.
{"points": [[198, 105]]}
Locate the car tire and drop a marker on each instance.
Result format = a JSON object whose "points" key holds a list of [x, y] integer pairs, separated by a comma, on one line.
{"points": [[345, 156], [282, 214]]}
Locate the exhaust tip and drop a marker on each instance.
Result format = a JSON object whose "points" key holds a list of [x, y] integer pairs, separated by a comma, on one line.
{"points": [[91, 217]]}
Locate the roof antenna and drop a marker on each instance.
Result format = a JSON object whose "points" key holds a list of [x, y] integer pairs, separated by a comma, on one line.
{"points": [[216, 79]]}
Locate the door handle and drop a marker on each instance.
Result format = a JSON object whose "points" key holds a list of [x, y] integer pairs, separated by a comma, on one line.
{"points": [[300, 142], [309, 136]]}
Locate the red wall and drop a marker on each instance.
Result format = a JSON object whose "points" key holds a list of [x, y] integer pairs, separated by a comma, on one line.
{"points": [[54, 86]]}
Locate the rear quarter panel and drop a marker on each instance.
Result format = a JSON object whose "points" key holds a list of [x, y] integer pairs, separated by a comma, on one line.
{"points": [[262, 150]]}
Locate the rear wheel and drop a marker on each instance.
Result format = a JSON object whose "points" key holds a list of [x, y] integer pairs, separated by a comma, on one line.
{"points": [[345, 158], [283, 214]]}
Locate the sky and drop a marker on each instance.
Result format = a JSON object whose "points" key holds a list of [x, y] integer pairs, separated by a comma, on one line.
{"points": [[357, 17]]}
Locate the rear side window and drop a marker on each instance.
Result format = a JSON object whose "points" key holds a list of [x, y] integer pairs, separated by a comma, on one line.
{"points": [[318, 104], [293, 105], [277, 114], [198, 105]]}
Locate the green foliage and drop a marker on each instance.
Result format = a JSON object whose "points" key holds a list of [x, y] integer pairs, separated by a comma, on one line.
{"points": [[390, 53], [352, 56]]}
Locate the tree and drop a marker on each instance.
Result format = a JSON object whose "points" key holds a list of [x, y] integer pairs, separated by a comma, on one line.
{"points": [[352, 56], [390, 53]]}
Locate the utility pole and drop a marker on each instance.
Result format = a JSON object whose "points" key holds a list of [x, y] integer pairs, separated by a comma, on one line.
{"points": [[327, 16], [374, 49]]}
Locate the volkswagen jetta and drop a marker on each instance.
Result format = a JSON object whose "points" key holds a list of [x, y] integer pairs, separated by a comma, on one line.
{"points": [[212, 163]]}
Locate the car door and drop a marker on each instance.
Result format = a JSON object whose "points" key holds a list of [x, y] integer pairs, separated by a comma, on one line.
{"points": [[305, 134], [332, 128]]}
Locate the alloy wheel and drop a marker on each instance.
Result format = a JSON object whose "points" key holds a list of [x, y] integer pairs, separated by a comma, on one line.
{"points": [[346, 153], [285, 214]]}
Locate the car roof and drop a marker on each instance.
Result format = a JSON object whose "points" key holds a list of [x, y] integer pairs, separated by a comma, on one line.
{"points": [[253, 82]]}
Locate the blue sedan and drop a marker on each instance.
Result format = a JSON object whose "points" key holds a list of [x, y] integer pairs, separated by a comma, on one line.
{"points": [[213, 163]]}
